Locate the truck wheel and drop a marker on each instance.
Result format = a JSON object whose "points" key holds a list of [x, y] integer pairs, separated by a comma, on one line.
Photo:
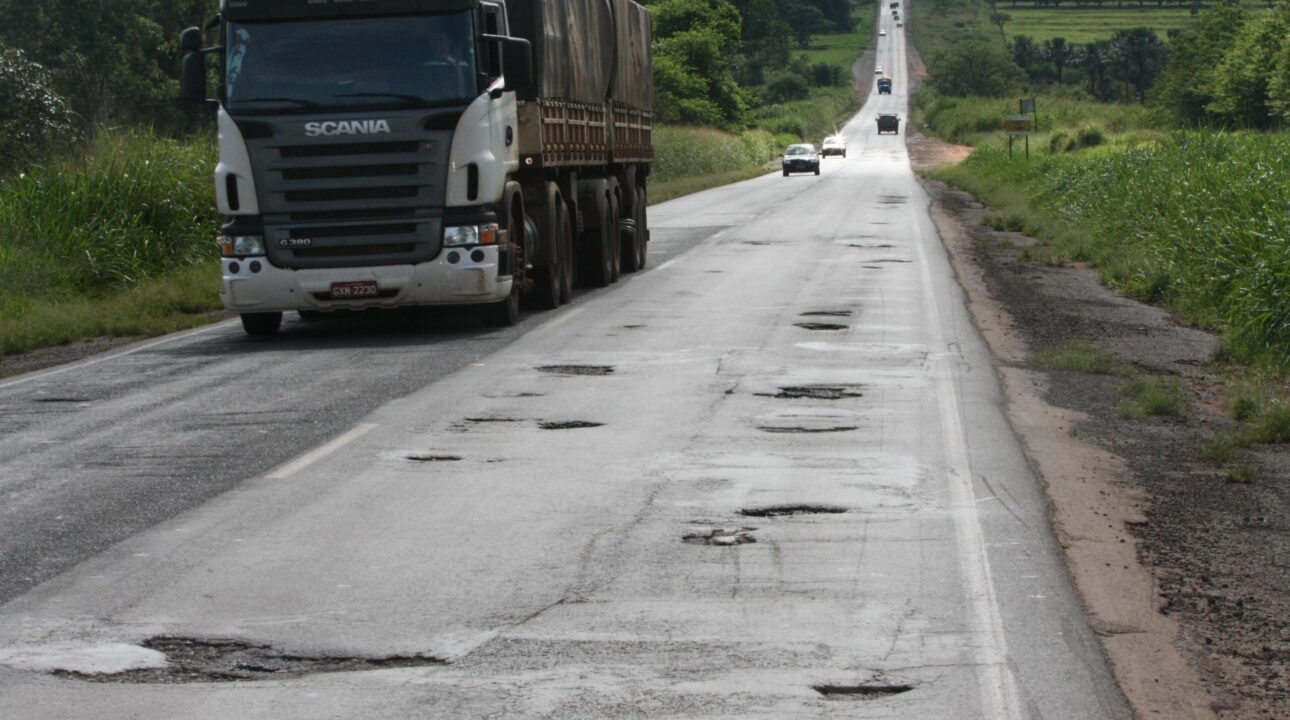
{"points": [[503, 313], [261, 324], [642, 228], [785, 173], [567, 265], [547, 278], [817, 169], [595, 268], [615, 248]]}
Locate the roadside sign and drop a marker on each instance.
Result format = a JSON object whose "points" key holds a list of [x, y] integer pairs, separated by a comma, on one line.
{"points": [[1018, 133], [1018, 123], [1028, 105]]}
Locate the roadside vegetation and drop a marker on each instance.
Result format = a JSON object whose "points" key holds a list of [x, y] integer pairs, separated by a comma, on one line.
{"points": [[1160, 156], [107, 213]]}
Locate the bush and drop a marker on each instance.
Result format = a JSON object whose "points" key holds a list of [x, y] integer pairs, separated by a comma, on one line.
{"points": [[35, 121], [787, 87], [974, 67], [1089, 136], [686, 151]]}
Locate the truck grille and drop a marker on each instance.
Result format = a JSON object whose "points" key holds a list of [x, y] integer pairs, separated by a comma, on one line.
{"points": [[337, 204]]}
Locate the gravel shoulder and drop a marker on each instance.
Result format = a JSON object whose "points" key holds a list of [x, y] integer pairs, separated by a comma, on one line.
{"points": [[1183, 571]]}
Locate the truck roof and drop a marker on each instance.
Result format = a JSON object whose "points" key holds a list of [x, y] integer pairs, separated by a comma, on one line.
{"points": [[238, 10]]}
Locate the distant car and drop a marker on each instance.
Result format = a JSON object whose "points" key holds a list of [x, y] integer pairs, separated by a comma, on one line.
{"points": [[877, 70], [834, 145], [801, 158], [900, 24], [882, 33], [884, 86], [888, 122]]}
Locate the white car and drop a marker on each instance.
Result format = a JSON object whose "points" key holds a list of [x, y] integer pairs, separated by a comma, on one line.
{"points": [[834, 145], [877, 70], [882, 33]]}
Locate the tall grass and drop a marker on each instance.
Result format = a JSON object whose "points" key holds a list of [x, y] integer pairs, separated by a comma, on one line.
{"points": [[134, 207], [807, 120], [1198, 221], [682, 152], [966, 120]]}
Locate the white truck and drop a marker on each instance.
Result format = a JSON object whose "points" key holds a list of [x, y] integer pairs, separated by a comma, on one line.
{"points": [[388, 153]]}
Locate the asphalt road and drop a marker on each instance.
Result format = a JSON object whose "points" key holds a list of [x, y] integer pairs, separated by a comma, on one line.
{"points": [[769, 477]]}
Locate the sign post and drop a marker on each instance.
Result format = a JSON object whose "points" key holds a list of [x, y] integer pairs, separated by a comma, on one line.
{"points": [[1018, 126]]}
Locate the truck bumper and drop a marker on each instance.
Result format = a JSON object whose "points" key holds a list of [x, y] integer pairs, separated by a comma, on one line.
{"points": [[439, 282]]}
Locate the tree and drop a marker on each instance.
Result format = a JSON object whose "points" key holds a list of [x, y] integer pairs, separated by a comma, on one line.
{"points": [[1025, 52], [1244, 79], [34, 119], [975, 67], [1000, 18], [805, 19], [1187, 85], [1137, 57], [1095, 59], [694, 82], [1060, 54]]}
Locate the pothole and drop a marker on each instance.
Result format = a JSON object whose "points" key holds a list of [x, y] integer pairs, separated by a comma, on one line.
{"points": [[422, 457], [577, 369], [827, 313], [820, 326], [192, 660], [816, 392], [890, 260], [62, 400], [870, 247], [569, 425], [633, 327], [860, 692], [799, 429], [722, 536], [756, 242], [775, 511], [480, 420], [893, 199]]}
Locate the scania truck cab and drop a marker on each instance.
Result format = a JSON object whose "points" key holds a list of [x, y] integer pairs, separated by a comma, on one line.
{"points": [[369, 157]]}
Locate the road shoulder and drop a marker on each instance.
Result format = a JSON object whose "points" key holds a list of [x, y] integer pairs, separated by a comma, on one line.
{"points": [[1095, 503]]}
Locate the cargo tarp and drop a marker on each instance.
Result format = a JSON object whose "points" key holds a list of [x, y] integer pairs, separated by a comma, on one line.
{"points": [[573, 47], [633, 72]]}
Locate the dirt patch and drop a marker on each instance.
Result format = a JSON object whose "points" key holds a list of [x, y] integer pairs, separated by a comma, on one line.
{"points": [[1184, 573]]}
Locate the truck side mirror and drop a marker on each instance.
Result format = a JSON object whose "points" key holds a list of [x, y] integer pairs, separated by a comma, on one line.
{"points": [[517, 63], [192, 78]]}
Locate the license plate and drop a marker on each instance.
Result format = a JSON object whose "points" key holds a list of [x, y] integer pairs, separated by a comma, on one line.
{"points": [[356, 289]]}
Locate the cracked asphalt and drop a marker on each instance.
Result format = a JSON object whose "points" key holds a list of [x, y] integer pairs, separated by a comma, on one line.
{"points": [[281, 496]]}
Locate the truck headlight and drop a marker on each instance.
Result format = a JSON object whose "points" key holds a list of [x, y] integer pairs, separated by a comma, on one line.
{"points": [[241, 245], [461, 235]]}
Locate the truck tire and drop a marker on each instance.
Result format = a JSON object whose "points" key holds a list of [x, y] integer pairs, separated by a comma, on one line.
{"points": [[503, 313], [642, 227], [596, 262], [566, 255], [548, 278], [615, 248], [261, 324]]}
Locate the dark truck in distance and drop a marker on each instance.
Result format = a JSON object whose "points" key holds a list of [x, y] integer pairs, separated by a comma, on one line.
{"points": [[389, 153], [888, 122], [884, 86]]}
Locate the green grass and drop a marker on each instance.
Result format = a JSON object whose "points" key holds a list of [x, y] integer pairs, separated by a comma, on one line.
{"points": [[1195, 221], [1082, 357], [1087, 24], [178, 300], [972, 120], [1151, 396], [807, 120], [839, 49], [683, 153]]}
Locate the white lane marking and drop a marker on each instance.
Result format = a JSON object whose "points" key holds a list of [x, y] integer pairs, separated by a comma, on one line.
{"points": [[554, 322], [176, 337], [997, 685], [706, 242], [317, 454]]}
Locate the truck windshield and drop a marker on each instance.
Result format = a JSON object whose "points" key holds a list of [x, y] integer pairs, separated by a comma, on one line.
{"points": [[424, 60]]}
